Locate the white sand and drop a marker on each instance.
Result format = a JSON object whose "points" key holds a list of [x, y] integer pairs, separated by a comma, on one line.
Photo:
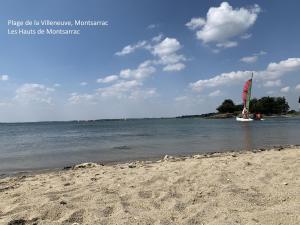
{"points": [[229, 188]]}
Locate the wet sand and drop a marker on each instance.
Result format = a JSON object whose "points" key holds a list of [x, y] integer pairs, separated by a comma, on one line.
{"points": [[257, 187]]}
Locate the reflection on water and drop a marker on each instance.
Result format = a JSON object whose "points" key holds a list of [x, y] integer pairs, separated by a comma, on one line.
{"points": [[247, 134]]}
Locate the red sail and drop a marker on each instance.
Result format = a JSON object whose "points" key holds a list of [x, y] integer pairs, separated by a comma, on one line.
{"points": [[245, 91]]}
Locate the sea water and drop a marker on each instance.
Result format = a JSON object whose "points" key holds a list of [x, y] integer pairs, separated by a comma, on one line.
{"points": [[43, 145]]}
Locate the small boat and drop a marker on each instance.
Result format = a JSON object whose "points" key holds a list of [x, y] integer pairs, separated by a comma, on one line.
{"points": [[246, 100], [243, 120]]}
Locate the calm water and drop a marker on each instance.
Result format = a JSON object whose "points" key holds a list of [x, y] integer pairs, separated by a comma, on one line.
{"points": [[26, 146]]}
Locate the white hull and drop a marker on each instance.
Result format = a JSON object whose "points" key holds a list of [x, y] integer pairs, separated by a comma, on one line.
{"points": [[243, 120]]}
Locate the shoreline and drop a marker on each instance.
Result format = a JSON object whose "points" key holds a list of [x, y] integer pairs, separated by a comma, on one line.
{"points": [[146, 159], [212, 115]]}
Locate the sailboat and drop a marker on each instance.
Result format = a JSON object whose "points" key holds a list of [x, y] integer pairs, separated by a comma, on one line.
{"points": [[246, 100]]}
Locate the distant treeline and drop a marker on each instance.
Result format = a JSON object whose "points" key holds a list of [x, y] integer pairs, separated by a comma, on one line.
{"points": [[266, 105]]}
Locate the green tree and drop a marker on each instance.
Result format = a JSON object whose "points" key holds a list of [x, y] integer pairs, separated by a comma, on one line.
{"points": [[239, 108], [227, 106], [269, 105], [281, 105], [265, 105]]}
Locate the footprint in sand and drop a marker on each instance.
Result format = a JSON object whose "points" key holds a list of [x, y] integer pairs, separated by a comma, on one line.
{"points": [[145, 194], [75, 217], [180, 206], [107, 211], [53, 213], [17, 222], [24, 222]]}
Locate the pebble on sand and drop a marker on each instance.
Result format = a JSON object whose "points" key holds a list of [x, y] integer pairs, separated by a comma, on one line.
{"points": [[85, 165]]}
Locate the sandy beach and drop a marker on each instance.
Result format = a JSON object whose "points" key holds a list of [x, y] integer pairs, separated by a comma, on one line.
{"points": [[257, 187]]}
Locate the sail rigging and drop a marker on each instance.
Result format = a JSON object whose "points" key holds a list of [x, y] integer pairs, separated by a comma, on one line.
{"points": [[247, 94]]}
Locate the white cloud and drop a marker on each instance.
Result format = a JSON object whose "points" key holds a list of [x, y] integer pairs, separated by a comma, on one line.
{"points": [[152, 26], [3, 77], [56, 85], [83, 83], [297, 88], [253, 58], [284, 65], [120, 89], [167, 47], [246, 36], [227, 44], [273, 83], [285, 89], [169, 59], [249, 59], [158, 38], [143, 71], [128, 83], [174, 67], [140, 45], [215, 93], [260, 53], [166, 51], [223, 23], [131, 48], [196, 23], [108, 79], [272, 72], [142, 94], [276, 70], [81, 98], [34, 93], [219, 80]]}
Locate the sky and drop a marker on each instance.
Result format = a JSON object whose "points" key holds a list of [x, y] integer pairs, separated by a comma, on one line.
{"points": [[156, 58]]}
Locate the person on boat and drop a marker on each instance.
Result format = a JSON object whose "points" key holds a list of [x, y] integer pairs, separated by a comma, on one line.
{"points": [[258, 116], [245, 113]]}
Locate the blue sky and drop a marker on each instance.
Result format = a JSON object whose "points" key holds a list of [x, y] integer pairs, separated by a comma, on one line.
{"points": [[155, 58]]}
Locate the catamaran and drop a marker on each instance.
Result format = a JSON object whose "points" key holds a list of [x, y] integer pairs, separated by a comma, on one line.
{"points": [[246, 100]]}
